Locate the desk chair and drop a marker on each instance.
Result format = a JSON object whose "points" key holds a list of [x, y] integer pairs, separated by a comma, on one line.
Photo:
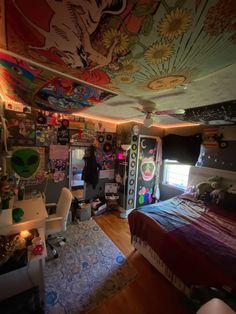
{"points": [[57, 222]]}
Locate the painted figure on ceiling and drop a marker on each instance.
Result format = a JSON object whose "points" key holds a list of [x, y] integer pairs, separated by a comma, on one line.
{"points": [[71, 25]]}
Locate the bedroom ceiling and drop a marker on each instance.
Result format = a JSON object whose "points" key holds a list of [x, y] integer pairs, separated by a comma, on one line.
{"points": [[96, 56]]}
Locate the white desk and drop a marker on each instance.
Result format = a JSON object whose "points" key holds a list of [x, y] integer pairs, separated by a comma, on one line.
{"points": [[34, 216], [26, 277]]}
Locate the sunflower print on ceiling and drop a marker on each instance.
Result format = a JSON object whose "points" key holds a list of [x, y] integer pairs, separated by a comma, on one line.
{"points": [[127, 46]]}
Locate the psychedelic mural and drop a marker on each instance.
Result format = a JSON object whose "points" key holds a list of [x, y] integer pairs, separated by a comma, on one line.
{"points": [[19, 79], [135, 47], [64, 95], [23, 82]]}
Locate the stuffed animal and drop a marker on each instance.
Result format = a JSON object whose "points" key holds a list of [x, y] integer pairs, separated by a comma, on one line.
{"points": [[232, 189], [218, 196], [224, 199], [205, 188]]}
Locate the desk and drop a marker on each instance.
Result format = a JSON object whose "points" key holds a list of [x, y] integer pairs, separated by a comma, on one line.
{"points": [[34, 216], [24, 278]]}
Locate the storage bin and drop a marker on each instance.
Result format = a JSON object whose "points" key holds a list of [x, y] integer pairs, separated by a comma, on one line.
{"points": [[84, 212]]}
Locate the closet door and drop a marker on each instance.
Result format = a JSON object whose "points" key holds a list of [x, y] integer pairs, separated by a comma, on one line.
{"points": [[146, 170]]}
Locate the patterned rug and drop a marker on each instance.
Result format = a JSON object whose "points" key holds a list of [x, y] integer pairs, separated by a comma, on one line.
{"points": [[90, 269]]}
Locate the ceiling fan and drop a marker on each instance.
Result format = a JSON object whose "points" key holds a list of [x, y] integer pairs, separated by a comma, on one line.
{"points": [[151, 112], [148, 106]]}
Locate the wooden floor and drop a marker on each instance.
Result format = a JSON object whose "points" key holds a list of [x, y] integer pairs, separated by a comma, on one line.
{"points": [[150, 293]]}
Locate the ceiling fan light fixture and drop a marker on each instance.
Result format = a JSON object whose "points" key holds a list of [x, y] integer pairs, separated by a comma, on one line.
{"points": [[148, 122]]}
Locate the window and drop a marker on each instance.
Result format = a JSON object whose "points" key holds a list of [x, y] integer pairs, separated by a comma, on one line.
{"points": [[175, 174]]}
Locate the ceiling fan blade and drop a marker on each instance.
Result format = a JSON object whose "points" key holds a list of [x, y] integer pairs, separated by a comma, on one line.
{"points": [[168, 95], [155, 118], [173, 111], [120, 103], [139, 109]]}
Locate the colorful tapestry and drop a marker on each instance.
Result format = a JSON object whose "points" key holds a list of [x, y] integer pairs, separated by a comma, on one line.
{"points": [[138, 46], [32, 85]]}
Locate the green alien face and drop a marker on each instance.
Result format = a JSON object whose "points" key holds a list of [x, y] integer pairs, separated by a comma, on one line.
{"points": [[25, 162]]}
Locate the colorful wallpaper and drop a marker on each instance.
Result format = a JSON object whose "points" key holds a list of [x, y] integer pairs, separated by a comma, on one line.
{"points": [[127, 46], [21, 81]]}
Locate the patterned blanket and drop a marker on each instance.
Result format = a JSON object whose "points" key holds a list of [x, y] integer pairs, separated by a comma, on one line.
{"points": [[197, 243]]}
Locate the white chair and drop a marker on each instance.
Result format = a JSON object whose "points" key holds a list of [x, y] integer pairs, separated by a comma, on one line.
{"points": [[57, 222]]}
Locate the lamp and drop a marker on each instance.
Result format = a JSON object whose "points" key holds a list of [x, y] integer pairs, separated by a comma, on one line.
{"points": [[125, 147]]}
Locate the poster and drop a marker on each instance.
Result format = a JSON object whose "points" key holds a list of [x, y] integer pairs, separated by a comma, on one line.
{"points": [[46, 135], [21, 127], [63, 136], [58, 152], [146, 170], [30, 164]]}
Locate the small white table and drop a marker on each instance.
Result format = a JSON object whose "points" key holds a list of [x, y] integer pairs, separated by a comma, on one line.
{"points": [[26, 277], [34, 216]]}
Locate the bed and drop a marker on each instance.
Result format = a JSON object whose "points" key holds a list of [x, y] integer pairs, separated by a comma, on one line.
{"points": [[190, 243]]}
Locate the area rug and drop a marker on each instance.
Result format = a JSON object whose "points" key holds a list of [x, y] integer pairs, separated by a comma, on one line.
{"points": [[90, 269]]}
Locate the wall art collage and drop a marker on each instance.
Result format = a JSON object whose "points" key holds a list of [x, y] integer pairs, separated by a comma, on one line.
{"points": [[43, 130]]}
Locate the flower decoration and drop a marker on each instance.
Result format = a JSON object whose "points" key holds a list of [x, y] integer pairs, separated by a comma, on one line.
{"points": [[158, 53], [112, 35], [124, 79], [175, 23], [129, 66]]}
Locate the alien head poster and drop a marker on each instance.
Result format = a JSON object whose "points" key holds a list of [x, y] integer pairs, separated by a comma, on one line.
{"points": [[28, 163]]}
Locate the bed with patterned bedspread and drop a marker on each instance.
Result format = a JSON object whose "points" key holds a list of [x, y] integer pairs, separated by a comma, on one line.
{"points": [[191, 244]]}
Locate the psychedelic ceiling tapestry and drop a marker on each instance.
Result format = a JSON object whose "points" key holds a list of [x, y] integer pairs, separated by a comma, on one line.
{"points": [[23, 82], [127, 46]]}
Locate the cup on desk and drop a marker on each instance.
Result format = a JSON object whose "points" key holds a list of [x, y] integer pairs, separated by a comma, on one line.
{"points": [[37, 246]]}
